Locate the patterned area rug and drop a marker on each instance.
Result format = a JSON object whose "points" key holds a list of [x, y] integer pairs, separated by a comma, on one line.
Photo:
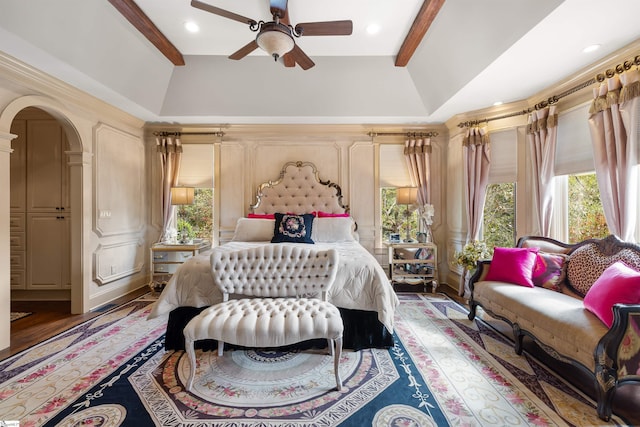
{"points": [[15, 315], [443, 370]]}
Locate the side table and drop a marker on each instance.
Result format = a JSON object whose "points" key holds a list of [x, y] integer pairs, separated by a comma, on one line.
{"points": [[166, 258], [413, 263]]}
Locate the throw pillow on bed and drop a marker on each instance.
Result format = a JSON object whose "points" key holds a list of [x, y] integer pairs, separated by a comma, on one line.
{"points": [[618, 284], [292, 228], [549, 270], [512, 265], [253, 230], [333, 229]]}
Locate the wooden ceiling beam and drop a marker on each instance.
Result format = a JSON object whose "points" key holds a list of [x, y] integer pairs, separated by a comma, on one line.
{"points": [[421, 24], [130, 10]]}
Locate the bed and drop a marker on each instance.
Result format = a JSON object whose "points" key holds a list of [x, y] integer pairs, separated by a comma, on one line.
{"points": [[361, 291]]}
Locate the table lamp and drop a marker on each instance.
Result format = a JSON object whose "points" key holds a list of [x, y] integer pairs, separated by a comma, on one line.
{"points": [[407, 196]]}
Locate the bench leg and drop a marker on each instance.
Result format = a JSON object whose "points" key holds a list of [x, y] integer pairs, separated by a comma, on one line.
{"points": [[336, 361], [220, 347], [192, 362], [330, 344]]}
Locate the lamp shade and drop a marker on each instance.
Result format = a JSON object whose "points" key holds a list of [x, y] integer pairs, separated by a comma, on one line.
{"points": [[275, 39], [406, 195], [182, 195]]}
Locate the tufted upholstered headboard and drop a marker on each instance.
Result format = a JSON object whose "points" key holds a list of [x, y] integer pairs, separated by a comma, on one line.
{"points": [[299, 190]]}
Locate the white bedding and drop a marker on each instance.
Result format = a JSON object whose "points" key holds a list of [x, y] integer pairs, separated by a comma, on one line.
{"points": [[361, 282]]}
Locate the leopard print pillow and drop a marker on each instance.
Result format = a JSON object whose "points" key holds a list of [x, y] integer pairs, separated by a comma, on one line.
{"points": [[587, 263]]}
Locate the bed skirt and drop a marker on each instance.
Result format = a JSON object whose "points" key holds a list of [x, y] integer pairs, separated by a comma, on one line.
{"points": [[362, 329]]}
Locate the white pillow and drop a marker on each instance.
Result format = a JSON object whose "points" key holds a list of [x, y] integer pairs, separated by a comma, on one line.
{"points": [[333, 229], [254, 230]]}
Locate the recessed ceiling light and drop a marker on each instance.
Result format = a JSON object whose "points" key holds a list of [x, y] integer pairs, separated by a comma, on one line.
{"points": [[191, 26], [373, 28], [495, 104], [591, 48]]}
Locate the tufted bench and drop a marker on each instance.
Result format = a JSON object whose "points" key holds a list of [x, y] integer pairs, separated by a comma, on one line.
{"points": [[289, 284]]}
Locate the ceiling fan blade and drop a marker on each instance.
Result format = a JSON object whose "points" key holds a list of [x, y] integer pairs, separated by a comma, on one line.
{"points": [[221, 12], [288, 60], [301, 58], [279, 7], [244, 50], [328, 28]]}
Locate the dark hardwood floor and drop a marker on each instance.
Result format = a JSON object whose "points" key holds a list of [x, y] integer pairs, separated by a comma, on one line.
{"points": [[51, 318]]}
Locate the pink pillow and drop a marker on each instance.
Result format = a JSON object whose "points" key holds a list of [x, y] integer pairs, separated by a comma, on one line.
{"points": [[321, 214], [618, 284], [512, 265], [261, 216]]}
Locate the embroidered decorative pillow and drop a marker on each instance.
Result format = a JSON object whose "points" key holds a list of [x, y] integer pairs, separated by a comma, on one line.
{"points": [[549, 270], [512, 265], [292, 228], [618, 284]]}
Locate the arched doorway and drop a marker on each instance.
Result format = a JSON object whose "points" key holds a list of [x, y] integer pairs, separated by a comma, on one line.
{"points": [[77, 160], [40, 210]]}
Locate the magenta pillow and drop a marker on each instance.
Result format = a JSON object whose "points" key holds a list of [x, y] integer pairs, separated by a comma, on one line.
{"points": [[618, 284], [512, 265], [321, 214], [261, 216]]}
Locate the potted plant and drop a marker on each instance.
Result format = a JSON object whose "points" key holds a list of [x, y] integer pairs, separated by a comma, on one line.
{"points": [[185, 232], [472, 252]]}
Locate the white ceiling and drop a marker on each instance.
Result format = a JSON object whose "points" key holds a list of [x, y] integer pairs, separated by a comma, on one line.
{"points": [[475, 53]]}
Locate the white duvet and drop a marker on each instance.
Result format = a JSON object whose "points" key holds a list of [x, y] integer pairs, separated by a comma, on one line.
{"points": [[360, 284]]}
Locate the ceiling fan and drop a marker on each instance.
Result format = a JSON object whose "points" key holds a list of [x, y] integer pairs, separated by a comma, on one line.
{"points": [[277, 37]]}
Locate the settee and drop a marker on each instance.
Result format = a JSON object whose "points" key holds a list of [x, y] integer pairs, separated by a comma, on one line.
{"points": [[580, 304]]}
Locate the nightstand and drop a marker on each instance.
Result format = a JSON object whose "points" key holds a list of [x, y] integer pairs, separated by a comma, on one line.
{"points": [[166, 258], [412, 264]]}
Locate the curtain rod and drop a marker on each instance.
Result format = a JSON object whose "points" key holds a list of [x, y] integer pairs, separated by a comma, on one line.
{"points": [[219, 133], [428, 134], [599, 78]]}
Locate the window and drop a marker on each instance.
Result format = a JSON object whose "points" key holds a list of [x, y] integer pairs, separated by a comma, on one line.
{"points": [[585, 215], [394, 174], [198, 217], [499, 218], [196, 170], [499, 215], [396, 218]]}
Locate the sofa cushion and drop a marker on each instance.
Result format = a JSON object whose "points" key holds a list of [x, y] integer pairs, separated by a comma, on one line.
{"points": [[512, 265], [556, 319], [549, 270], [587, 263], [618, 284]]}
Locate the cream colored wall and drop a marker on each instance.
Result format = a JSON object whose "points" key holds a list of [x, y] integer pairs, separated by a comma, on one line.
{"points": [[248, 155], [108, 173]]}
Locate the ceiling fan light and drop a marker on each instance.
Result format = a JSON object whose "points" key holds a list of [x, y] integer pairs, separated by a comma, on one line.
{"points": [[275, 39]]}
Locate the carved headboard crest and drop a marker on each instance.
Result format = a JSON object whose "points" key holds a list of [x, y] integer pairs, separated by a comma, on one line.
{"points": [[299, 190]]}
